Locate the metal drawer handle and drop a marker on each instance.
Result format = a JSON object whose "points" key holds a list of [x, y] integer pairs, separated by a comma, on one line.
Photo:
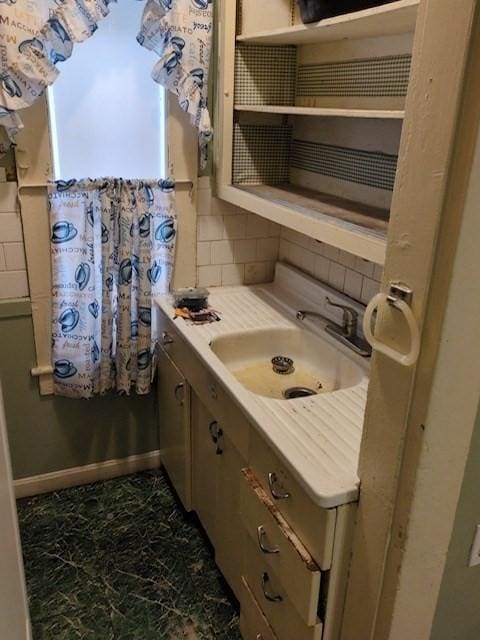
{"points": [[272, 483], [176, 392], [216, 434], [166, 338], [266, 593], [259, 636], [261, 533]]}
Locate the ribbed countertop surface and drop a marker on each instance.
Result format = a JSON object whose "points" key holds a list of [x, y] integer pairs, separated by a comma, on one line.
{"points": [[318, 437]]}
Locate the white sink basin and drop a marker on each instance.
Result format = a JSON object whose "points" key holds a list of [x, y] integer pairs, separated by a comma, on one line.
{"points": [[318, 366]]}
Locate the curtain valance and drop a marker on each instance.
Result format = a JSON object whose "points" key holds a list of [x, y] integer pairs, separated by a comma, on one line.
{"points": [[37, 34]]}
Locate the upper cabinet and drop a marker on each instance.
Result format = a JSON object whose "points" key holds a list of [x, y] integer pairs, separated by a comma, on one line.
{"points": [[310, 117]]}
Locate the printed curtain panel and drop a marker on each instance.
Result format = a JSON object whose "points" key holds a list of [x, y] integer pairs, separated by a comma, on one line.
{"points": [[180, 32], [37, 34], [112, 246]]}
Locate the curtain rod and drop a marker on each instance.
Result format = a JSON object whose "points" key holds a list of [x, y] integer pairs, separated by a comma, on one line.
{"points": [[40, 185]]}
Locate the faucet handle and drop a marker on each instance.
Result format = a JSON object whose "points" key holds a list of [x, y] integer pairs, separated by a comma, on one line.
{"points": [[350, 317]]}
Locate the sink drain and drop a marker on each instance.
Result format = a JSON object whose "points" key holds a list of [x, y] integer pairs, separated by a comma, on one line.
{"points": [[298, 392], [282, 365]]}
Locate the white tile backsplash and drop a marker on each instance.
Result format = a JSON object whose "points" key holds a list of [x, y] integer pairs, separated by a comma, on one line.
{"points": [[353, 284], [10, 227], [234, 246], [233, 274], [222, 252], [210, 276], [13, 274], [245, 250], [337, 276], [357, 278], [204, 253], [210, 228]]}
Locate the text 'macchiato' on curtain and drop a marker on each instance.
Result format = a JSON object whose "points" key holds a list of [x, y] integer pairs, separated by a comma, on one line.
{"points": [[37, 34]]}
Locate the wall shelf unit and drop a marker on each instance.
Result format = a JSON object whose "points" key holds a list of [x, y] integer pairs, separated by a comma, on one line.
{"points": [[311, 117], [389, 19], [362, 229]]}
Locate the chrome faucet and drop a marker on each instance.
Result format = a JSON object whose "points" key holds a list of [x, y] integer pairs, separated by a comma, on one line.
{"points": [[346, 332]]}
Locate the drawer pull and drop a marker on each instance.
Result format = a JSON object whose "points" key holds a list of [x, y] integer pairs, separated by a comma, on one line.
{"points": [[270, 597], [259, 636], [216, 433], [166, 338], [261, 533], [272, 483], [178, 392]]}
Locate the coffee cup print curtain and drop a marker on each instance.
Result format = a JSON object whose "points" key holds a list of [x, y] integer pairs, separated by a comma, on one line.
{"points": [[35, 35], [180, 32], [113, 248]]}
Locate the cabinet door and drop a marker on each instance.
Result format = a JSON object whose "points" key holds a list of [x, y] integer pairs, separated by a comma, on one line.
{"points": [[174, 427], [205, 453], [228, 550]]}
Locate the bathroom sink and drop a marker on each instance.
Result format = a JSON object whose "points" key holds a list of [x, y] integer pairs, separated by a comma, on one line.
{"points": [[307, 365]]}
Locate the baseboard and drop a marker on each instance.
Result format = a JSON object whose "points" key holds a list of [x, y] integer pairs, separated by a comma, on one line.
{"points": [[75, 476]]}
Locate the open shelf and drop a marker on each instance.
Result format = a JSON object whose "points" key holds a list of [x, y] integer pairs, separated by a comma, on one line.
{"points": [[389, 19], [323, 112], [350, 226]]}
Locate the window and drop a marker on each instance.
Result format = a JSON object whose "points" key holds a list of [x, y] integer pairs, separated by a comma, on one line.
{"points": [[107, 115]]}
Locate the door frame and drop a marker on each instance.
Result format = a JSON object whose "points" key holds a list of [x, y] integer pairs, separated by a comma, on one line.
{"points": [[402, 448]]}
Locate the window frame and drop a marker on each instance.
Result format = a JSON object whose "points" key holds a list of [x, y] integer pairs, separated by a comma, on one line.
{"points": [[35, 168]]}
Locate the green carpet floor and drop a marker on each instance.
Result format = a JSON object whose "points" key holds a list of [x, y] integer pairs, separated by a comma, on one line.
{"points": [[120, 560]]}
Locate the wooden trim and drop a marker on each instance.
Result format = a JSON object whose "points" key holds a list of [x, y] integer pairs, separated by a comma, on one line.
{"points": [[327, 229], [182, 143], [226, 90], [34, 167], [337, 585], [442, 41], [86, 474]]}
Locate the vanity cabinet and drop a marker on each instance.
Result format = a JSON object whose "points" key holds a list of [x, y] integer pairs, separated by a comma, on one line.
{"points": [[205, 449], [216, 469], [285, 558], [173, 393]]}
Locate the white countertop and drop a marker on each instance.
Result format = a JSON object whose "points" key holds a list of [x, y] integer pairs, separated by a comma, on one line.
{"points": [[318, 437]]}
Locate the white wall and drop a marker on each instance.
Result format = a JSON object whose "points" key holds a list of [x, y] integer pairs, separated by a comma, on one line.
{"points": [[234, 246], [13, 274]]}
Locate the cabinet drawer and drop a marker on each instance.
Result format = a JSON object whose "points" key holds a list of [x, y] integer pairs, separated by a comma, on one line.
{"points": [[253, 623], [270, 593], [210, 391], [313, 525], [282, 551]]}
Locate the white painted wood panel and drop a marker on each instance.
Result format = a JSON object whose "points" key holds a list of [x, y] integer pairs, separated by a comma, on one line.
{"points": [[14, 617], [394, 18]]}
